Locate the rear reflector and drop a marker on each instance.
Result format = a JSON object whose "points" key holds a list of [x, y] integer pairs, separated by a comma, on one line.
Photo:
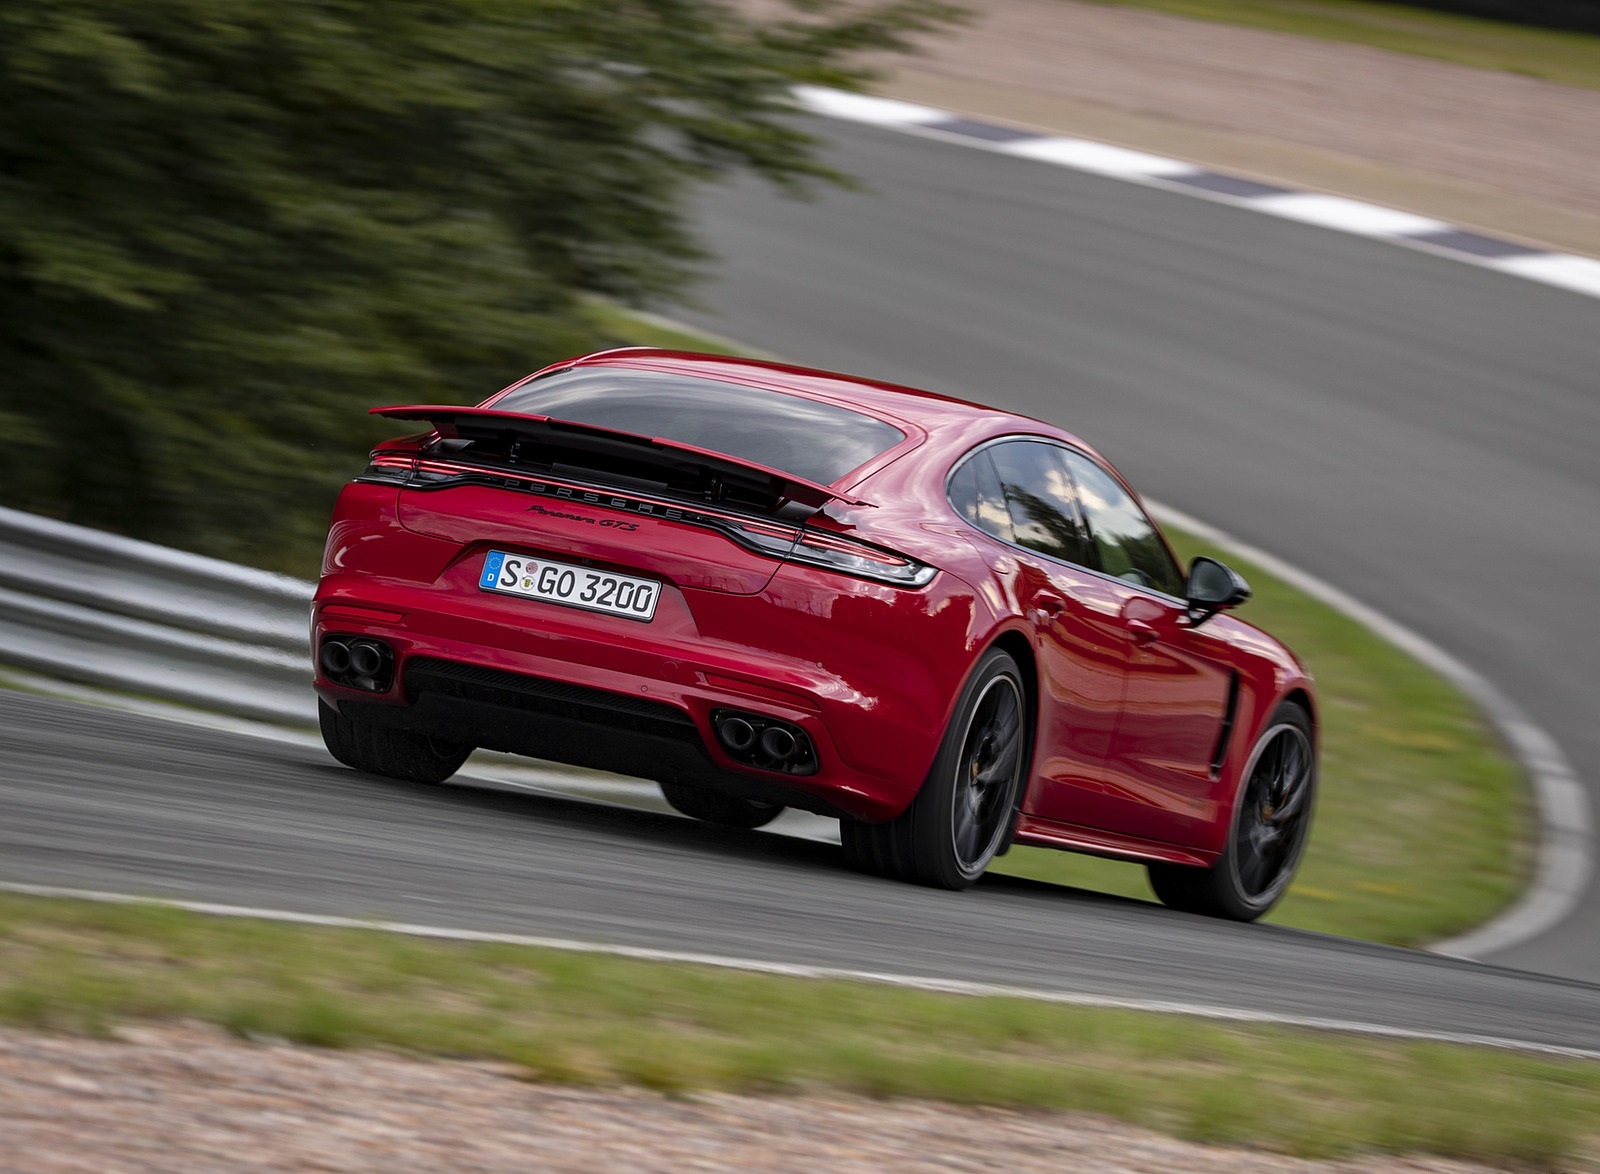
{"points": [[755, 689], [345, 611]]}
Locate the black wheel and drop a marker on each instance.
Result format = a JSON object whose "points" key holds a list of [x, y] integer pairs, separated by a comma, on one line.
{"points": [[385, 750], [732, 811], [1268, 832], [959, 819]]}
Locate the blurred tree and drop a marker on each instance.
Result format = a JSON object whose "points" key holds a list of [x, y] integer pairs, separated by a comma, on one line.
{"points": [[229, 226]]}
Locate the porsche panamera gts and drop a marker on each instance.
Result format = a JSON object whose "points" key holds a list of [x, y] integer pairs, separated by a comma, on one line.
{"points": [[762, 586]]}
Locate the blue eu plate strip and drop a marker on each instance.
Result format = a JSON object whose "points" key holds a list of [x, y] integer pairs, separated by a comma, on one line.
{"points": [[491, 568]]}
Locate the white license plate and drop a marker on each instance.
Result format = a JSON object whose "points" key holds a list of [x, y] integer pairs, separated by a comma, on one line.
{"points": [[541, 578]]}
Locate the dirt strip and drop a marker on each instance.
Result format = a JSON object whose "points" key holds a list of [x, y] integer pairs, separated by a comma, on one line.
{"points": [[161, 1100], [1510, 154]]}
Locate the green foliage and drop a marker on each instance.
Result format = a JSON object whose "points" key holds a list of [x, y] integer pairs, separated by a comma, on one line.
{"points": [[227, 227]]}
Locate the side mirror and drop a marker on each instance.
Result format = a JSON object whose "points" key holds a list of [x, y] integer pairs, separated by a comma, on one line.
{"points": [[1213, 586]]}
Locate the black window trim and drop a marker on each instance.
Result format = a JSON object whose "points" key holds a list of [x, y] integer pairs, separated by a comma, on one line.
{"points": [[1077, 508]]}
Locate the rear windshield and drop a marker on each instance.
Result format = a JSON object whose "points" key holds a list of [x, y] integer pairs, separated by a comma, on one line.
{"points": [[817, 441]]}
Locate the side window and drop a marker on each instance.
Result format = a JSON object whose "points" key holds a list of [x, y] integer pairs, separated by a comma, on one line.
{"points": [[1040, 500], [975, 492], [1128, 543]]}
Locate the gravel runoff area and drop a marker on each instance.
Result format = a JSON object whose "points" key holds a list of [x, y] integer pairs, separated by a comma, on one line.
{"points": [[170, 1099], [1513, 153], [1337, 116]]}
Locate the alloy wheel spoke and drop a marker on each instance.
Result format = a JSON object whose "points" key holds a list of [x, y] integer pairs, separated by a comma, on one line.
{"points": [[1289, 769], [966, 836], [1000, 768]]}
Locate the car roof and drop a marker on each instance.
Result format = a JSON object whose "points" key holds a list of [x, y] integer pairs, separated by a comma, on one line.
{"points": [[928, 412]]}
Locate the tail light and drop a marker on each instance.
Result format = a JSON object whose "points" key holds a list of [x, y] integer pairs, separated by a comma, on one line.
{"points": [[861, 559], [848, 556], [388, 468]]}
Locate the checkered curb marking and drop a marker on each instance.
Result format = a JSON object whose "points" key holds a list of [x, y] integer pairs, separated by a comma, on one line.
{"points": [[1563, 270]]}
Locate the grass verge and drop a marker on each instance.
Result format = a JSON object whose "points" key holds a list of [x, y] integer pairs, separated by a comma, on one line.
{"points": [[591, 1019], [1568, 57]]}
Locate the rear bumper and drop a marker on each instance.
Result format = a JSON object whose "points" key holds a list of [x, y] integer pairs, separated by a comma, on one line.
{"points": [[574, 688], [587, 727]]}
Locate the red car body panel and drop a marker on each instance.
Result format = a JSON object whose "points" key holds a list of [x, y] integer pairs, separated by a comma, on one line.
{"points": [[1144, 720]]}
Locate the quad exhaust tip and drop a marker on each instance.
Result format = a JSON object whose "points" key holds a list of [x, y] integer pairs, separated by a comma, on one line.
{"points": [[736, 733], [778, 743], [768, 743], [335, 658], [357, 662], [366, 660]]}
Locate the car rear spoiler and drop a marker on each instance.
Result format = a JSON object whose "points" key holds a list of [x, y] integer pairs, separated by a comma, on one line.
{"points": [[454, 421]]}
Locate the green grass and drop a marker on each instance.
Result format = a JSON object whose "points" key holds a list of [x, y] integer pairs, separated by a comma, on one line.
{"points": [[1572, 58], [591, 1019], [1422, 829]]}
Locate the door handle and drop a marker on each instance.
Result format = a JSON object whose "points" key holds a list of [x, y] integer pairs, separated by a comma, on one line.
{"points": [[1049, 605], [1142, 633]]}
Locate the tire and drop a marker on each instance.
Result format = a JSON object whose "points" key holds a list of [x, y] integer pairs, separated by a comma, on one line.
{"points": [[385, 750], [1267, 832], [732, 811], [963, 814]]}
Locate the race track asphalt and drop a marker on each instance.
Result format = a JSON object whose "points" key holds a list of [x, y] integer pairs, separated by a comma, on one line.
{"points": [[99, 799], [1413, 430], [1420, 433]]}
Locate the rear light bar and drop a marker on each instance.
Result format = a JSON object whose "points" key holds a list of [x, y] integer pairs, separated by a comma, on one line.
{"points": [[861, 559], [849, 556], [778, 540]]}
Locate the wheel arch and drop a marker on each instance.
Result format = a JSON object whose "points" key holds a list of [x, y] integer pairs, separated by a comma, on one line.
{"points": [[1301, 695]]}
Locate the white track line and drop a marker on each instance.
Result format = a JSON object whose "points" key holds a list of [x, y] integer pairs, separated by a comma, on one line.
{"points": [[1100, 158], [1579, 274], [943, 986], [1355, 216]]}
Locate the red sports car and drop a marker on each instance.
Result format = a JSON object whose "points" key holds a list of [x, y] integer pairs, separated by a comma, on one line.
{"points": [[950, 627]]}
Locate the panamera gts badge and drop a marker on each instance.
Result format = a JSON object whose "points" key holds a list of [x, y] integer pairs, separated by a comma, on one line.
{"points": [[610, 523]]}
